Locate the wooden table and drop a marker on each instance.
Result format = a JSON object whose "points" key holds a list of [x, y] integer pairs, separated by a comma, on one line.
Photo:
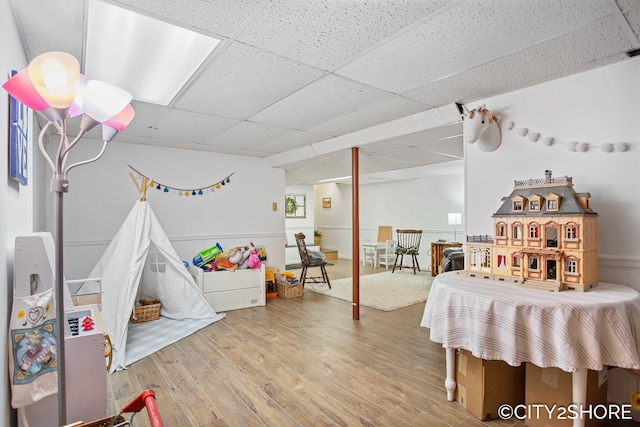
{"points": [[436, 254], [374, 248], [570, 330]]}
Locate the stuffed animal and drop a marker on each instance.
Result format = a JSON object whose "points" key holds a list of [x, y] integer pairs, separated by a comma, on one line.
{"points": [[254, 260]]}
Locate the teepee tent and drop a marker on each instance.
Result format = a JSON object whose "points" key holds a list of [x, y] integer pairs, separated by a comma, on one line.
{"points": [[129, 273]]}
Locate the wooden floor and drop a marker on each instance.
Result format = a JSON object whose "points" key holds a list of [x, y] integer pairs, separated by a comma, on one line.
{"points": [[300, 362]]}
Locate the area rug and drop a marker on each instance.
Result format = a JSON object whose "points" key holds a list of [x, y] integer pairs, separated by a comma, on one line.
{"points": [[383, 291]]}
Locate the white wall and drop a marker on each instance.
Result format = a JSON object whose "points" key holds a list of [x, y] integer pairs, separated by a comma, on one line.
{"points": [[598, 106], [102, 194], [413, 204], [16, 201]]}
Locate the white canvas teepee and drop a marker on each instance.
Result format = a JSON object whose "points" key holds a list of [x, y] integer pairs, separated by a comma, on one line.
{"points": [[128, 275]]}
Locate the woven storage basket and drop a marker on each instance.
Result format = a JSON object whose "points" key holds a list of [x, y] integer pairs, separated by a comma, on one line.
{"points": [[286, 290], [104, 422], [149, 309]]}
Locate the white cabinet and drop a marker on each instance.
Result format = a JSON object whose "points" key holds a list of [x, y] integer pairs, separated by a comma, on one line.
{"points": [[231, 290]]}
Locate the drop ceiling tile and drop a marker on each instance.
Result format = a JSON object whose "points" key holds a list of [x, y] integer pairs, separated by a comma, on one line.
{"points": [[62, 20], [322, 100], [243, 80], [528, 66], [465, 36], [373, 114], [222, 17], [248, 135], [413, 156], [294, 140], [633, 18], [325, 33], [191, 127]]}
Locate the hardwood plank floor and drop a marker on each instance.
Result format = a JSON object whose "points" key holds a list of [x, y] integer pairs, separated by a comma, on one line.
{"points": [[300, 362]]}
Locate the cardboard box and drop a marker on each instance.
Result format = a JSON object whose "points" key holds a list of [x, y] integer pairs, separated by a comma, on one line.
{"points": [[553, 386], [483, 385]]}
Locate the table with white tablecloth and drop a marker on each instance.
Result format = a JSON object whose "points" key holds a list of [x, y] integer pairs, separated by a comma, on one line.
{"points": [[573, 331]]}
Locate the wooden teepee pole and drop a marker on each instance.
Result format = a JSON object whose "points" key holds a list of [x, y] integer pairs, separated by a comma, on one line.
{"points": [[142, 189]]}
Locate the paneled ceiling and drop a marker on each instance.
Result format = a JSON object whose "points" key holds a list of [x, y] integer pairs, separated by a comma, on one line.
{"points": [[300, 82]]}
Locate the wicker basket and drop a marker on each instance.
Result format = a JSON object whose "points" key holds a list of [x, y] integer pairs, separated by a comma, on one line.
{"points": [[289, 290], [149, 309], [105, 422]]}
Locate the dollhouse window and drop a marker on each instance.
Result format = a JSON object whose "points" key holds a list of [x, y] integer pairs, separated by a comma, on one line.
{"points": [[534, 231], [502, 261], [534, 205], [501, 230], [480, 257], [515, 261], [571, 232], [533, 263], [553, 202], [572, 266], [517, 232], [517, 205]]}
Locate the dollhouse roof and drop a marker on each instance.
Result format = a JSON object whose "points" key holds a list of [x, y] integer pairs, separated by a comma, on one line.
{"points": [[568, 204]]}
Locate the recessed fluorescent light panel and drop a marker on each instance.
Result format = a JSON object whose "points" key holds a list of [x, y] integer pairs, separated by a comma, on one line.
{"points": [[335, 179], [152, 59]]}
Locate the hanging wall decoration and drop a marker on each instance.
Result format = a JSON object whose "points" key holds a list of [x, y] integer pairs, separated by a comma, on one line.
{"points": [[197, 191], [578, 146]]}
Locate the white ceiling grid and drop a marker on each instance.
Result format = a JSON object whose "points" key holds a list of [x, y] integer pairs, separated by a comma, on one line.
{"points": [[301, 82]]}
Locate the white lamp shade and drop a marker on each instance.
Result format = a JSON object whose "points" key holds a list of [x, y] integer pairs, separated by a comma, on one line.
{"points": [[54, 75], [75, 109], [102, 100], [116, 124]]}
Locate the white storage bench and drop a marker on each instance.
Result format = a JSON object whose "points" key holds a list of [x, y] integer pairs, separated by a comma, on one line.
{"points": [[231, 290]]}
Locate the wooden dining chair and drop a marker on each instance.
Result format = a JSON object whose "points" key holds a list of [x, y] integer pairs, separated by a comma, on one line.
{"points": [[311, 259], [408, 244]]}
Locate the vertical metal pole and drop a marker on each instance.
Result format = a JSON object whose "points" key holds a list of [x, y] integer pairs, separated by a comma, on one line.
{"points": [[60, 313], [355, 232]]}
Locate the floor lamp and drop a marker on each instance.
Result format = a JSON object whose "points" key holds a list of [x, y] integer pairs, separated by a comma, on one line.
{"points": [[53, 87], [455, 218]]}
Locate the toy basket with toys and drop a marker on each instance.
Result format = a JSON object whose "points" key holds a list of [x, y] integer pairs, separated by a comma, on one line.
{"points": [[288, 286]]}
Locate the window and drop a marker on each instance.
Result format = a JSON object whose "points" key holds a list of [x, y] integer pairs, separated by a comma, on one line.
{"points": [[534, 205], [572, 232], [517, 232], [517, 205], [534, 231], [294, 206], [533, 263], [515, 261], [502, 261], [552, 205], [480, 257], [501, 230], [572, 266]]}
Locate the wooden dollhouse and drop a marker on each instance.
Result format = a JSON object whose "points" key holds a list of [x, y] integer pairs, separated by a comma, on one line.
{"points": [[545, 237]]}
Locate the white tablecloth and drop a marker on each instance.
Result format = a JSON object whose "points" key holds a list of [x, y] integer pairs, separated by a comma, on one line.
{"points": [[568, 330]]}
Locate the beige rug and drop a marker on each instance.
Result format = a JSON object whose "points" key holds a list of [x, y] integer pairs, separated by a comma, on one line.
{"points": [[383, 291]]}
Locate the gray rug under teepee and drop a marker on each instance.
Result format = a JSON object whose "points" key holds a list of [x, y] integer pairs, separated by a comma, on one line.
{"points": [[383, 291]]}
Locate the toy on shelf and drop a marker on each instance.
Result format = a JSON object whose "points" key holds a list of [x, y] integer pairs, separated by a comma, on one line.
{"points": [[545, 237]]}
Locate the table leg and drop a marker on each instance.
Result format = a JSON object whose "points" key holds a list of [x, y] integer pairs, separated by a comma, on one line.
{"points": [[450, 381], [579, 390]]}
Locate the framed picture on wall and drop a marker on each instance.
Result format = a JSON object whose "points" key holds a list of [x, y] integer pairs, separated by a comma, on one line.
{"points": [[326, 202], [294, 206], [19, 128]]}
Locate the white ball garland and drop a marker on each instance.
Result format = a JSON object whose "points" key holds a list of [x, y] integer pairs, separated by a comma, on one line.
{"points": [[576, 146]]}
